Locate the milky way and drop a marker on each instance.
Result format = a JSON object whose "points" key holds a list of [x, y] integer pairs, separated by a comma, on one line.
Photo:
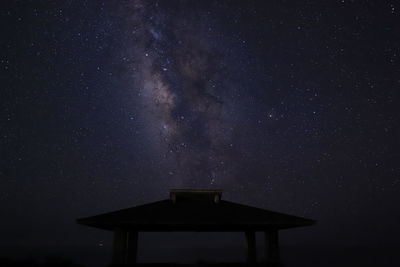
{"points": [[183, 86]]}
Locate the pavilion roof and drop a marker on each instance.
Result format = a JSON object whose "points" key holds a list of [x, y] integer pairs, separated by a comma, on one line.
{"points": [[195, 210]]}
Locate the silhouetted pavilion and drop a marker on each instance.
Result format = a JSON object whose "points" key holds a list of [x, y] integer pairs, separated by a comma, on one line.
{"points": [[193, 210]]}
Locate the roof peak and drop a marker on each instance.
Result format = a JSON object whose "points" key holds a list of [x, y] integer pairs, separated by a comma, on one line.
{"points": [[189, 190], [195, 194]]}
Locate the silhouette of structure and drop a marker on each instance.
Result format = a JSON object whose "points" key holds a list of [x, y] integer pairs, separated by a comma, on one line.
{"points": [[193, 210]]}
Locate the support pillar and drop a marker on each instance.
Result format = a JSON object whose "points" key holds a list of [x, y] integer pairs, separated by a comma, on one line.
{"points": [[251, 247], [131, 256], [272, 253], [119, 246]]}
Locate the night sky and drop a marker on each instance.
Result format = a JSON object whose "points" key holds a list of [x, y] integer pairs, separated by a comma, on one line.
{"points": [[291, 106]]}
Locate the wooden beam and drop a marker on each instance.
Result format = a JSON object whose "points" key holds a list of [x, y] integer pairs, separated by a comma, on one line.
{"points": [[119, 246], [131, 257], [272, 252], [251, 246]]}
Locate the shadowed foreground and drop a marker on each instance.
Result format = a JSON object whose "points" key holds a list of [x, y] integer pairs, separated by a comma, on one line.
{"points": [[307, 256], [201, 264], [53, 261], [61, 262]]}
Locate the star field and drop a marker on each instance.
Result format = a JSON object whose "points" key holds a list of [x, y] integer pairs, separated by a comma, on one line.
{"points": [[286, 105]]}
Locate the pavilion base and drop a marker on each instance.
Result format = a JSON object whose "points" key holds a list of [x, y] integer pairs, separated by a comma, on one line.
{"points": [[126, 245]]}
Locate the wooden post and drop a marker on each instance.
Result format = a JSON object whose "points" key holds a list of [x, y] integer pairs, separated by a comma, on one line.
{"points": [[119, 246], [272, 254], [131, 256], [251, 247]]}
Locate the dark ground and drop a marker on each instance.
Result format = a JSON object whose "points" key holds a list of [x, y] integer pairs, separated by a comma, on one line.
{"points": [[307, 256]]}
